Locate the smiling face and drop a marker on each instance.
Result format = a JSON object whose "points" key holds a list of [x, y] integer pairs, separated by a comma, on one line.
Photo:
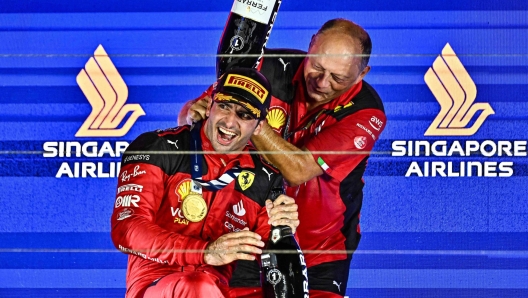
{"points": [[230, 126], [332, 66]]}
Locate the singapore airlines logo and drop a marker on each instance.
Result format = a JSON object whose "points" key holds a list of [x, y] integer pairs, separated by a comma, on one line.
{"points": [[107, 93], [455, 91]]}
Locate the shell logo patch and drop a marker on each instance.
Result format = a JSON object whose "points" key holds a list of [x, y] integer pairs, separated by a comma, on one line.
{"points": [[276, 117], [183, 189], [245, 179]]}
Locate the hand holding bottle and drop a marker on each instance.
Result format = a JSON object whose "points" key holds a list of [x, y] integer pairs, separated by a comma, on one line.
{"points": [[283, 212], [284, 273]]}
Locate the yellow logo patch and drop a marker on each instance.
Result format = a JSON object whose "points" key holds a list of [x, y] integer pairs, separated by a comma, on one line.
{"points": [[183, 189], [276, 118], [245, 179], [248, 85], [343, 107]]}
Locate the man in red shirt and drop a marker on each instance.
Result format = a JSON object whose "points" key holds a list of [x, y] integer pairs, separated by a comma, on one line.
{"points": [[183, 217], [331, 119]]}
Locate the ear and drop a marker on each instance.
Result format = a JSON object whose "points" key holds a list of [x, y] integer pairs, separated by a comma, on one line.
{"points": [[258, 128], [208, 109], [362, 74]]}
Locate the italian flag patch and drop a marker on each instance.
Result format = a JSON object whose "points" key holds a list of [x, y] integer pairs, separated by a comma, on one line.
{"points": [[323, 164]]}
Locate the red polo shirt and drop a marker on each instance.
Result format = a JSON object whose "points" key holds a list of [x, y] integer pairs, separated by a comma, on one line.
{"points": [[338, 144]]}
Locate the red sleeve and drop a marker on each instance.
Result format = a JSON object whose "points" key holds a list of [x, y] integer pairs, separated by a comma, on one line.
{"points": [[134, 231], [207, 92], [356, 135]]}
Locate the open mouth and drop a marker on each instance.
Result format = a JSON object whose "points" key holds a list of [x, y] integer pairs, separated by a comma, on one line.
{"points": [[225, 136]]}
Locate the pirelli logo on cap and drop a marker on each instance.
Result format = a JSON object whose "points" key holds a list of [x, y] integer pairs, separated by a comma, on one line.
{"points": [[247, 84]]}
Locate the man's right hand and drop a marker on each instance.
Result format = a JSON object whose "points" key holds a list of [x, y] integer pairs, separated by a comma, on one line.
{"points": [[283, 211], [194, 111], [233, 246]]}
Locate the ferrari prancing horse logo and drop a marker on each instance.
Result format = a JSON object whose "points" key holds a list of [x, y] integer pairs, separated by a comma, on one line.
{"points": [[245, 179]]}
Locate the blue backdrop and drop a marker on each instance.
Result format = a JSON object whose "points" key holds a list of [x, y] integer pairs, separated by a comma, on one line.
{"points": [[423, 235]]}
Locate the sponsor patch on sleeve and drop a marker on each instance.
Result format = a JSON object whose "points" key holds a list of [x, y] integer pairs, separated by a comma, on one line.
{"points": [[126, 213], [360, 142]]}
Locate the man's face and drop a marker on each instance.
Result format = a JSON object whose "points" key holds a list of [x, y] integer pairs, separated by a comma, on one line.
{"points": [[230, 126], [332, 67]]}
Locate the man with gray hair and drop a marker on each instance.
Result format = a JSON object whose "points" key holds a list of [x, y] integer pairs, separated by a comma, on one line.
{"points": [[322, 124]]}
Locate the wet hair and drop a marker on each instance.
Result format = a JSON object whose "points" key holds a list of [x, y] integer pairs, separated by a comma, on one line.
{"points": [[353, 30]]}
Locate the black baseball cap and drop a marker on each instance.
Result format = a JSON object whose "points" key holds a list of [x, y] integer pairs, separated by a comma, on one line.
{"points": [[246, 87]]}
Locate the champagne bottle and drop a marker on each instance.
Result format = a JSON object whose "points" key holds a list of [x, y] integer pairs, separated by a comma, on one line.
{"points": [[245, 33], [284, 273]]}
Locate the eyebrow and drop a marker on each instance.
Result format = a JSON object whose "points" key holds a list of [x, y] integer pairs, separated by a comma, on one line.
{"points": [[244, 109]]}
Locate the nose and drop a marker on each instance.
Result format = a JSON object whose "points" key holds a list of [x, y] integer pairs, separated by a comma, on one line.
{"points": [[323, 80], [230, 118]]}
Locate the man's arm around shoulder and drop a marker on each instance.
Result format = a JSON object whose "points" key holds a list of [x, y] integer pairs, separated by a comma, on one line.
{"points": [[296, 165]]}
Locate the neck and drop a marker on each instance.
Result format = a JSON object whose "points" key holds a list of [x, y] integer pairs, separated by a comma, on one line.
{"points": [[312, 104]]}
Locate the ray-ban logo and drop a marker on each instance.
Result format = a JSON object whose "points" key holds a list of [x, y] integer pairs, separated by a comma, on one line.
{"points": [[107, 93], [455, 91]]}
